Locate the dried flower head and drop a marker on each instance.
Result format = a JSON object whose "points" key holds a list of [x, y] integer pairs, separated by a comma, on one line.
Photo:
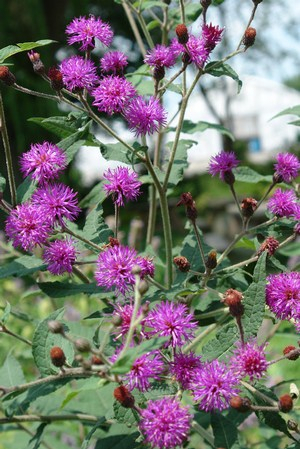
{"points": [[270, 245]]}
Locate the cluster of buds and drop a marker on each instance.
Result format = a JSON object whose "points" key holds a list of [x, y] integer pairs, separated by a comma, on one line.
{"points": [[182, 264], [187, 200]]}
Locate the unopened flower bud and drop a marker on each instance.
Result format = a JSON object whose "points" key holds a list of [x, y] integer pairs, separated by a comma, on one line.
{"points": [[285, 403], [37, 64], [159, 73], [249, 37], [292, 425], [6, 76], [182, 263], [55, 77], [96, 360], [270, 245], [240, 404], [289, 349], [123, 395], [145, 308], [182, 33], [136, 269], [117, 320], [248, 207], [57, 355], [229, 177], [56, 327], [211, 261], [205, 3], [257, 2], [167, 2], [113, 241], [186, 199], [82, 345], [233, 299], [143, 287]]}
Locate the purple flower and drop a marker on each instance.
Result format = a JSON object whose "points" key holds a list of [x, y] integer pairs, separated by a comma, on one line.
{"points": [[78, 73], [287, 167], [43, 161], [60, 256], [249, 359], [122, 184], [297, 218], [85, 30], [160, 56], [211, 35], [184, 368], [222, 164], [214, 385], [145, 117], [165, 423], [146, 367], [57, 202], [171, 320], [194, 48], [147, 266], [282, 203], [26, 226], [283, 295], [124, 313], [113, 94], [114, 62]]}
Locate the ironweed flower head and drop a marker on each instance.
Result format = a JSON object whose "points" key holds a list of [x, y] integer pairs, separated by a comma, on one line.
{"points": [[283, 295], [249, 359], [222, 164], [123, 312], [27, 226], [172, 320], [282, 203], [160, 56], [86, 30], [113, 94], [122, 184], [43, 162], [184, 368], [211, 35], [165, 423], [194, 48], [145, 117], [60, 256], [145, 368], [214, 385], [286, 168], [113, 62], [78, 73], [58, 202]]}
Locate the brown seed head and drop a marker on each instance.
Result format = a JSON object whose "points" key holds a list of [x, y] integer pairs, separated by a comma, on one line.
{"points": [[113, 241], [182, 263], [123, 395], [240, 404], [55, 76], [289, 349], [285, 403], [182, 33], [248, 207], [233, 299], [6, 76], [270, 245], [249, 37], [211, 261], [57, 355], [186, 199]]}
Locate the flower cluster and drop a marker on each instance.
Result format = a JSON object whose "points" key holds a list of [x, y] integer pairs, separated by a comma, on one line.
{"points": [[122, 184]]}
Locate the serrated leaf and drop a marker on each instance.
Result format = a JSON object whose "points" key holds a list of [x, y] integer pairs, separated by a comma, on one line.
{"points": [[120, 441], [225, 432], [293, 249], [42, 342], [25, 190], [95, 196], [116, 152], [62, 126], [246, 243], [191, 128], [63, 289], [246, 174], [125, 415], [223, 343], [217, 68], [11, 373], [22, 266], [11, 50], [95, 228]]}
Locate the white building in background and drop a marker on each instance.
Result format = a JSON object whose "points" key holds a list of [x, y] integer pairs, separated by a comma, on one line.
{"points": [[251, 112]]}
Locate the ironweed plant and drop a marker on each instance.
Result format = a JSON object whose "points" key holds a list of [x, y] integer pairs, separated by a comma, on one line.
{"points": [[170, 354]]}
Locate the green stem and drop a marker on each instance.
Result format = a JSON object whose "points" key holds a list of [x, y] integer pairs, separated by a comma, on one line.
{"points": [[117, 216], [182, 11], [50, 418], [81, 275], [134, 28], [259, 394], [198, 238], [248, 24], [8, 157], [204, 433], [79, 237], [12, 334], [236, 199], [152, 214]]}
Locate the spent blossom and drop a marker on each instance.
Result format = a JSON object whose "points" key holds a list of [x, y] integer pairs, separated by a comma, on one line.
{"points": [[165, 423], [172, 320], [282, 203], [86, 30], [78, 73], [249, 359], [60, 256], [145, 368], [113, 94], [43, 162], [113, 62], [145, 117], [287, 167], [122, 184]]}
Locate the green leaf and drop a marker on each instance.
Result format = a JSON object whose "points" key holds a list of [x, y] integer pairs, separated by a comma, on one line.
{"points": [[127, 415], [293, 249], [26, 189], [295, 110], [151, 4], [63, 289], [119, 441], [95, 196], [222, 344], [180, 161], [95, 228], [42, 342], [22, 266], [2, 183], [191, 128], [116, 152], [246, 243], [192, 12], [217, 68], [86, 441], [246, 174], [225, 432], [6, 313], [254, 299], [62, 126], [152, 25], [36, 440], [11, 50], [11, 373]]}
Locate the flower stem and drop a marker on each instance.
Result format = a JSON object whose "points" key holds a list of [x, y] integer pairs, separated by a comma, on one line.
{"points": [[81, 275], [79, 237], [259, 394], [4, 330]]}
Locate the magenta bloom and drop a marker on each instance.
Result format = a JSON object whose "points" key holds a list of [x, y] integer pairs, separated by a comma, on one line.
{"points": [[57, 202], [165, 423], [124, 312], [222, 164], [60, 256], [283, 295], [78, 73], [86, 30], [113, 62], [214, 385], [211, 35], [249, 359], [146, 367], [160, 56], [297, 218], [184, 368], [172, 320], [113, 94], [122, 184], [26, 226], [194, 48], [287, 167], [145, 117], [43, 162], [282, 203], [114, 268], [147, 266]]}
